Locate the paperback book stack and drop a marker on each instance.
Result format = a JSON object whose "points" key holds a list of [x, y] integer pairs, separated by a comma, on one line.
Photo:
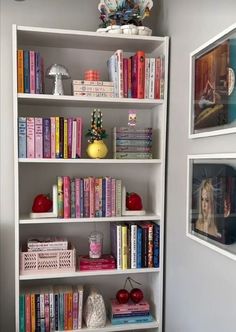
{"points": [[57, 308], [30, 72], [88, 197], [132, 143], [93, 88], [130, 313], [106, 262]]}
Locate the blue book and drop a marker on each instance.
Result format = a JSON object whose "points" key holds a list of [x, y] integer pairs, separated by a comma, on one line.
{"points": [[26, 72], [22, 137], [156, 244], [139, 247], [22, 312], [132, 320], [61, 311]]}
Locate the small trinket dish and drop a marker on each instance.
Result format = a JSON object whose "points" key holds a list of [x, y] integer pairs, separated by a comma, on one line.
{"points": [[129, 29], [116, 29], [144, 31]]}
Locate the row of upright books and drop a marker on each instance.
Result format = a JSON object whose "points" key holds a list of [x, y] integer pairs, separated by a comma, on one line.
{"points": [[88, 197], [30, 72], [54, 137], [47, 309], [135, 245], [132, 143], [137, 76], [130, 313]]}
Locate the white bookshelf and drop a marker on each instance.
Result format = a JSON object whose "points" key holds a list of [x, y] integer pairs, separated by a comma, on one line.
{"points": [[146, 177]]}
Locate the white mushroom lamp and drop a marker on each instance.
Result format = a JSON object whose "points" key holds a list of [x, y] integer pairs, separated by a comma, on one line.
{"points": [[57, 73]]}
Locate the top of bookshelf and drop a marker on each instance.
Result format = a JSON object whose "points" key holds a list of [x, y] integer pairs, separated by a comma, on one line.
{"points": [[45, 37]]}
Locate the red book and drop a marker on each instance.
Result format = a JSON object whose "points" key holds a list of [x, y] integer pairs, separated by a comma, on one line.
{"points": [[140, 74], [28, 312], [129, 307], [158, 78], [66, 186], [98, 267], [106, 259], [129, 79], [125, 77]]}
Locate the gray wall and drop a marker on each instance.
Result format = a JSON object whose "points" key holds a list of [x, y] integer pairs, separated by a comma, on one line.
{"points": [[200, 283]]}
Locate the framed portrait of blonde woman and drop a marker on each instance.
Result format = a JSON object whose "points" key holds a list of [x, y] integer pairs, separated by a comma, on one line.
{"points": [[211, 201]]}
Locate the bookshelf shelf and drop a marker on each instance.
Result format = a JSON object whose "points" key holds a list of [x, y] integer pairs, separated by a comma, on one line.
{"points": [[73, 101], [88, 274], [28, 221], [143, 176], [89, 161]]}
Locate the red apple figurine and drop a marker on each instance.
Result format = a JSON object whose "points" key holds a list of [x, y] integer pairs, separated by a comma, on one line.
{"points": [[122, 296], [136, 295], [133, 202]]}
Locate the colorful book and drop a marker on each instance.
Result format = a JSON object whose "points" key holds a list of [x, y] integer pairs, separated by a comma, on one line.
{"points": [[22, 137], [46, 138], [140, 74], [26, 72], [30, 137], [38, 137], [132, 320], [20, 71], [53, 137], [67, 201], [60, 197], [32, 71]]}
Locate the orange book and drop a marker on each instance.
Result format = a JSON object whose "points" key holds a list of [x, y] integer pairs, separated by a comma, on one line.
{"points": [[28, 312], [33, 318], [20, 71], [140, 74], [70, 311]]}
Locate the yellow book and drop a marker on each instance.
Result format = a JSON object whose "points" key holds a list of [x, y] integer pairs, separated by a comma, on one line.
{"points": [[60, 197], [124, 247], [65, 139], [33, 319], [70, 311], [57, 138], [20, 71]]}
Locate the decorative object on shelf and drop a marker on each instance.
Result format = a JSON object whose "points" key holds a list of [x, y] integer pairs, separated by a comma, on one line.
{"points": [[96, 148], [95, 310], [127, 13], [95, 244], [42, 205], [57, 73], [134, 207], [92, 75], [132, 118], [123, 295]]}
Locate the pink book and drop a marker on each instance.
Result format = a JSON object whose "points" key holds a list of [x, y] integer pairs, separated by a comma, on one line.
{"points": [[128, 307], [86, 197], [108, 196], [47, 312], [69, 126], [77, 198], [134, 87], [75, 309], [157, 78], [30, 137], [91, 197], [66, 186], [74, 139], [125, 77], [38, 122], [97, 189], [105, 259], [53, 137], [28, 312], [32, 71], [79, 137], [97, 267]]}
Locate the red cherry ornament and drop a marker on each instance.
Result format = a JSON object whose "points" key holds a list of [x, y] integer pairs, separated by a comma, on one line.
{"points": [[42, 203], [122, 296], [136, 295], [133, 201]]}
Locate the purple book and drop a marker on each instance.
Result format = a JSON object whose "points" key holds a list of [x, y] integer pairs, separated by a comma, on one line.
{"points": [[46, 138]]}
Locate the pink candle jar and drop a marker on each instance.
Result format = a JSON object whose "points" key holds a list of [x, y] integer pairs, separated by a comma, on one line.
{"points": [[95, 244]]}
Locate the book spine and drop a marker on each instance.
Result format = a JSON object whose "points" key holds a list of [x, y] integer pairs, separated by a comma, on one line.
{"points": [[125, 77], [133, 155], [46, 138], [156, 244], [37, 319], [91, 197], [108, 196], [119, 56], [134, 142], [65, 149], [92, 83], [92, 88], [144, 246], [81, 197], [22, 309], [80, 308], [22, 134], [124, 247], [147, 75], [139, 247], [72, 199], [133, 246], [74, 138], [112, 73], [140, 74], [52, 311], [56, 314], [30, 137], [57, 137], [37, 72], [94, 94], [86, 197], [158, 78], [66, 186], [33, 313], [26, 72], [28, 312], [53, 137], [69, 124], [38, 137], [32, 71], [65, 312], [20, 71], [152, 78], [97, 267], [162, 81], [113, 197], [42, 315], [131, 314], [42, 83], [77, 198], [119, 246], [60, 197], [75, 310], [79, 137], [129, 79], [134, 87], [61, 137], [70, 310], [61, 311], [118, 197], [96, 197]]}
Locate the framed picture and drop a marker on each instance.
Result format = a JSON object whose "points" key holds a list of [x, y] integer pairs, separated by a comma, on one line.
{"points": [[212, 86], [211, 201]]}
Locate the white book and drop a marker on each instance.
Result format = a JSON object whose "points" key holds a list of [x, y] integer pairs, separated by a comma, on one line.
{"points": [[133, 246], [118, 198], [80, 306], [119, 246], [152, 78], [119, 60], [147, 74]]}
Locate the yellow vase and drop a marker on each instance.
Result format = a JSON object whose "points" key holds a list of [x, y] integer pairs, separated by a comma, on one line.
{"points": [[97, 149]]}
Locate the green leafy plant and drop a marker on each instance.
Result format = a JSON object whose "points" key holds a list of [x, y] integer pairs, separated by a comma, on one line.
{"points": [[96, 131]]}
